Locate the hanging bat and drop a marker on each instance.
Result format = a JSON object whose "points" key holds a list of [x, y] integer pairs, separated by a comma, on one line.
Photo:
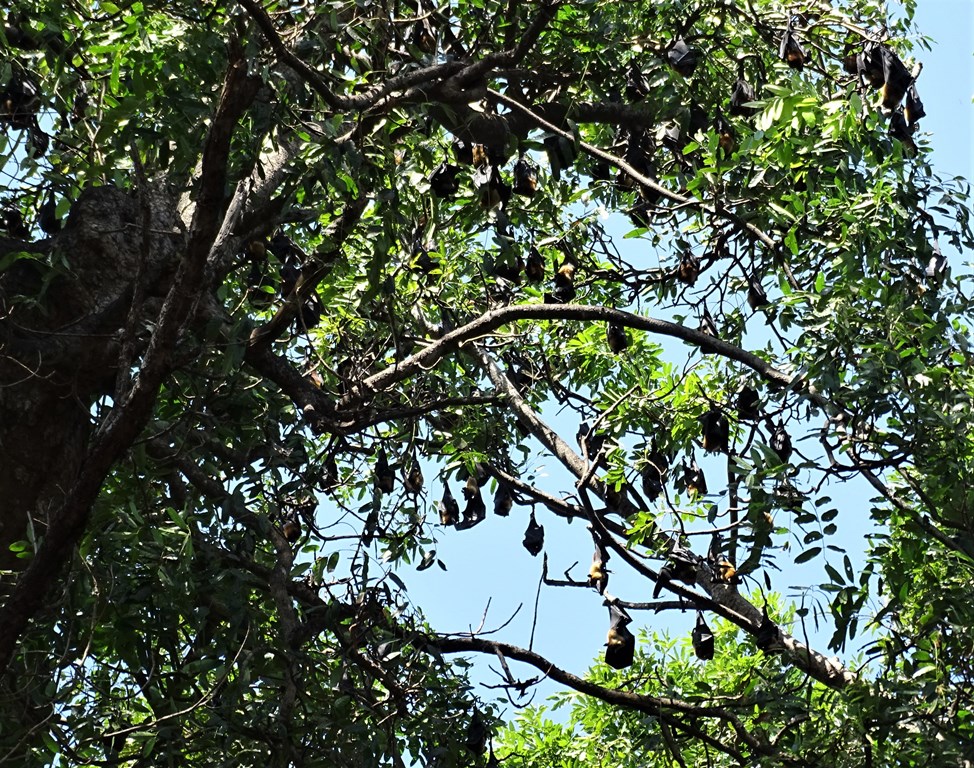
{"points": [[726, 136], [653, 473], [503, 499], [902, 132], [475, 480], [413, 479], [937, 261], [703, 639], [598, 574], [443, 181], [747, 404], [756, 297], [768, 633], [564, 291], [534, 267], [476, 739], [708, 326], [913, 110], [683, 58], [681, 566], [474, 512], [561, 154], [741, 95], [385, 478], [869, 65], [533, 537], [616, 337], [790, 50], [896, 79], [47, 216], [637, 88], [525, 177], [448, 507], [689, 268], [716, 431], [463, 151], [781, 443], [590, 442], [694, 480], [291, 528], [620, 643]]}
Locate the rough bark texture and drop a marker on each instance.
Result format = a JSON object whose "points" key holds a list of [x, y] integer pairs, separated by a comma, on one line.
{"points": [[64, 313]]}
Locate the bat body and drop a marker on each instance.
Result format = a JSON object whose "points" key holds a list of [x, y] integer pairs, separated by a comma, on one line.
{"points": [[620, 643]]}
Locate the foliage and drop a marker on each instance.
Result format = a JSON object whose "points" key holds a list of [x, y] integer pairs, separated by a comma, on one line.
{"points": [[290, 294]]}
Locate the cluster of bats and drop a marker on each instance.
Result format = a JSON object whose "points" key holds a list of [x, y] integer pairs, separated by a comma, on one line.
{"points": [[263, 284], [682, 565]]}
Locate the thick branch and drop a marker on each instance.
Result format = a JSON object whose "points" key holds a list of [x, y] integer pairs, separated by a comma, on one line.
{"points": [[130, 415]]}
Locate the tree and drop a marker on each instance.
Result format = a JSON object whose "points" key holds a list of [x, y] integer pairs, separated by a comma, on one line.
{"points": [[268, 268]]}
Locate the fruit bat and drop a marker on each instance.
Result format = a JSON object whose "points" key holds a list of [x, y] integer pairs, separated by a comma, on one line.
{"points": [[38, 142], [715, 431], [413, 479], [47, 216], [561, 154], [493, 191], [694, 480], [937, 261], [463, 151], [681, 566], [598, 574], [448, 507], [385, 478], [913, 110], [767, 634], [291, 529], [474, 512], [703, 639], [756, 297], [590, 442], [896, 78], [533, 537], [19, 101], [503, 499], [617, 337], [781, 443], [534, 267], [311, 312], [620, 643], [726, 137], [741, 95], [869, 65], [790, 49], [525, 177], [637, 88], [689, 268], [708, 326], [475, 480], [747, 404], [424, 36], [899, 130], [479, 155], [564, 291], [476, 739], [13, 222], [683, 58], [443, 181], [653, 473]]}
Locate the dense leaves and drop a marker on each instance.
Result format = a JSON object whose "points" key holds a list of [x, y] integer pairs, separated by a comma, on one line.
{"points": [[293, 292]]}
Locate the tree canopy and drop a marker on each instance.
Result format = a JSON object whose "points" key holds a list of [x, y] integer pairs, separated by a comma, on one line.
{"points": [[292, 292]]}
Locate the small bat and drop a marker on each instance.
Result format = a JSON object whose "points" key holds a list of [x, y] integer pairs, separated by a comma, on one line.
{"points": [[413, 479], [756, 297], [896, 78], [385, 478], [533, 537], [781, 443], [443, 181], [703, 639], [503, 500], [747, 404], [534, 267], [694, 480], [474, 512], [616, 337], [790, 50], [525, 178], [620, 643], [448, 507], [741, 95], [768, 633], [653, 473], [716, 431], [598, 574], [683, 58]]}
